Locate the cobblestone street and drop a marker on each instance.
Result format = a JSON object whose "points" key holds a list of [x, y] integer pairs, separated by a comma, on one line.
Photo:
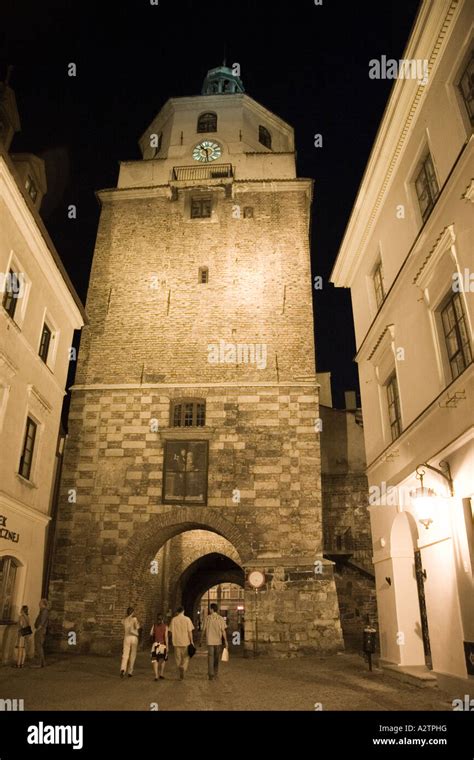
{"points": [[339, 682]]}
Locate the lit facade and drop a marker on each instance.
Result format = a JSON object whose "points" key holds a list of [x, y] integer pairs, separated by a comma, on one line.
{"points": [[407, 258], [39, 312]]}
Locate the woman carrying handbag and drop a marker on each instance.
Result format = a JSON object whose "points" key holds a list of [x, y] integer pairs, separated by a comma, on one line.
{"points": [[160, 644], [24, 637]]}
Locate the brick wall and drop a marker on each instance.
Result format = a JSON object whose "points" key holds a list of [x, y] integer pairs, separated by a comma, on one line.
{"points": [[259, 290]]}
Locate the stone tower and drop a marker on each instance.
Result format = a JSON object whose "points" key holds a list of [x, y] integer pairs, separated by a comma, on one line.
{"points": [[193, 413]]}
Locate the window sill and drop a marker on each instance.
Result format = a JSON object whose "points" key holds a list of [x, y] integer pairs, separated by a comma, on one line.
{"points": [[10, 320], [25, 481], [188, 433]]}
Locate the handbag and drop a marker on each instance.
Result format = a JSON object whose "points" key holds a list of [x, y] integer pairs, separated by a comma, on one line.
{"points": [[191, 650], [26, 631], [225, 655]]}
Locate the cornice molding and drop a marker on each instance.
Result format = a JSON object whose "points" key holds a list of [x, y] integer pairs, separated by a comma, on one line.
{"points": [[35, 395], [445, 241], [7, 365]]}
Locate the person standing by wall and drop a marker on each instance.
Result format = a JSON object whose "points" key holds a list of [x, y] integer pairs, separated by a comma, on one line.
{"points": [[181, 629], [130, 643], [215, 633], [160, 646], [24, 637], [41, 627]]}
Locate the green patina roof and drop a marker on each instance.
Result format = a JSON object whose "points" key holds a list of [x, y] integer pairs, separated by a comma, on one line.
{"points": [[222, 81]]}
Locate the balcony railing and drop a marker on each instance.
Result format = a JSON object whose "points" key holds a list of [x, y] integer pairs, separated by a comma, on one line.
{"points": [[192, 173]]}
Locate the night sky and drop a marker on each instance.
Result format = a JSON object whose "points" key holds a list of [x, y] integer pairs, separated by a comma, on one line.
{"points": [[306, 63]]}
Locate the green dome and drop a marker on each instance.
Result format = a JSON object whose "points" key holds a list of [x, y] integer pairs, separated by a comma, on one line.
{"points": [[222, 81]]}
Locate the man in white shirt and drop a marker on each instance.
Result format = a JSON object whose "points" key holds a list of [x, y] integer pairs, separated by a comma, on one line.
{"points": [[181, 629], [130, 643], [215, 632]]}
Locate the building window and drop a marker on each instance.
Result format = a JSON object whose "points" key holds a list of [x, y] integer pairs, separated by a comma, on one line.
{"points": [[44, 343], [456, 335], [158, 145], [203, 275], [11, 293], [190, 413], [264, 136], [426, 186], [201, 208], [377, 278], [8, 572], [466, 87], [393, 400], [185, 472], [31, 188], [207, 122], [26, 459], [248, 212]]}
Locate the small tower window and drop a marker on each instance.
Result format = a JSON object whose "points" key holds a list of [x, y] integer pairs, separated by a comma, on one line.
{"points": [[201, 208], [264, 136], [203, 275], [189, 413], [248, 212], [207, 122]]}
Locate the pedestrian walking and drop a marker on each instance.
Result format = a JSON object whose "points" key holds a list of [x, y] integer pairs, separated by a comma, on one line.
{"points": [[130, 643], [160, 646], [216, 636], [181, 629], [24, 637], [41, 627]]}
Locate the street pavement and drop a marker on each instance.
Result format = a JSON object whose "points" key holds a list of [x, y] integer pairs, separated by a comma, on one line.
{"points": [[337, 682]]}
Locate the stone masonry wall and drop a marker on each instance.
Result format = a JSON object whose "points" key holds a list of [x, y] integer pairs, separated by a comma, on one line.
{"points": [[261, 441]]}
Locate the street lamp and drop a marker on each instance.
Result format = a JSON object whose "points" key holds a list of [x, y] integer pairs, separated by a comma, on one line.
{"points": [[423, 498]]}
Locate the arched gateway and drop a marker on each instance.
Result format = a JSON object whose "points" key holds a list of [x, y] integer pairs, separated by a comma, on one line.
{"points": [[195, 407]]}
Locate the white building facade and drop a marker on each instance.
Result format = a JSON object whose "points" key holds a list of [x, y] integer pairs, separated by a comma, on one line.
{"points": [[407, 256], [38, 315]]}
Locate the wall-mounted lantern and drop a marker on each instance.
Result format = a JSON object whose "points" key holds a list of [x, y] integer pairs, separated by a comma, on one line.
{"points": [[424, 499]]}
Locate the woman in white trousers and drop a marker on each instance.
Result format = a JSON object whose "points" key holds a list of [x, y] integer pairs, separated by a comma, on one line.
{"points": [[130, 643]]}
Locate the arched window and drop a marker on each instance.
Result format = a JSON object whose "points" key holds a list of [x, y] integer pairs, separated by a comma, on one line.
{"points": [[188, 413], [207, 122], [264, 136], [8, 572]]}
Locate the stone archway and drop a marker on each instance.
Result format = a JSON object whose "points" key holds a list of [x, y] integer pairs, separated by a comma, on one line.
{"points": [[206, 572], [144, 543], [146, 540]]}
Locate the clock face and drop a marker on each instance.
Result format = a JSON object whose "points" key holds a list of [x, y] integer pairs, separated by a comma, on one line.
{"points": [[206, 151], [256, 578]]}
